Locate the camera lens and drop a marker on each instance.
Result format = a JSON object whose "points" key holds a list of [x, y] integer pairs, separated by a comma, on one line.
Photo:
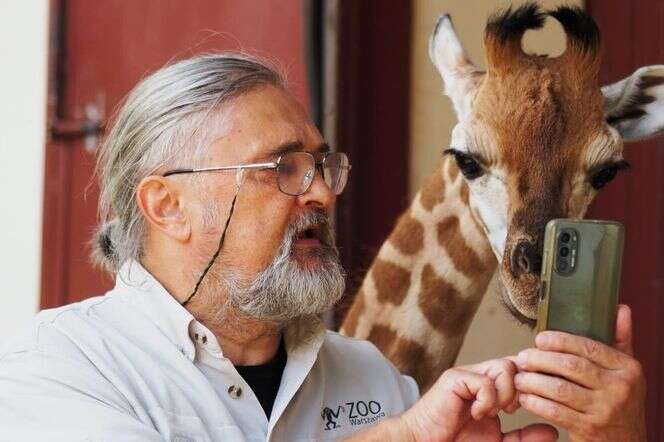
{"points": [[562, 265], [564, 237], [564, 251]]}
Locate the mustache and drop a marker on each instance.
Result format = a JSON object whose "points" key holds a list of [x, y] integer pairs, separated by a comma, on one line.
{"points": [[316, 220]]}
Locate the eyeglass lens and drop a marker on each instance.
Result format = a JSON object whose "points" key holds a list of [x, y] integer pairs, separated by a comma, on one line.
{"points": [[335, 171], [296, 172]]}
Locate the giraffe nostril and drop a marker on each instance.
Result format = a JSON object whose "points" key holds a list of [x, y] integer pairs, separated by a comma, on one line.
{"points": [[525, 259]]}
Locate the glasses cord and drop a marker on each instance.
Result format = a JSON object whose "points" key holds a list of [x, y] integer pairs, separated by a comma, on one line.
{"points": [[221, 240]]}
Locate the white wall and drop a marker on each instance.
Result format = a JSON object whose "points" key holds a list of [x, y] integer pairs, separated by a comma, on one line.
{"points": [[23, 79]]}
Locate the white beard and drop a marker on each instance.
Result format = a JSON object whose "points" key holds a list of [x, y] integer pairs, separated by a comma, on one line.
{"points": [[285, 290]]}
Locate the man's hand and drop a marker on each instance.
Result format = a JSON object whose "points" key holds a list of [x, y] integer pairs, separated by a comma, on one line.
{"points": [[594, 391], [464, 402]]}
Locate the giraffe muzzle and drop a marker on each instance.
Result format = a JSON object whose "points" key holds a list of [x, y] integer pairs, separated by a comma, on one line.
{"points": [[525, 258]]}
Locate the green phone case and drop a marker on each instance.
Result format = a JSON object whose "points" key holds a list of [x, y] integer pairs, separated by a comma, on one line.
{"points": [[583, 302]]}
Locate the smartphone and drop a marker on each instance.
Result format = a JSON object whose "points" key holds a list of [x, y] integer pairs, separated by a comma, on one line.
{"points": [[580, 278]]}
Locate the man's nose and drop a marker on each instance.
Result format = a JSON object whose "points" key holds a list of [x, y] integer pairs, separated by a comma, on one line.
{"points": [[319, 193]]}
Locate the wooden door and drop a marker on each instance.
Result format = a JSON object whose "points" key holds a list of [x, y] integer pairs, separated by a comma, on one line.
{"points": [[373, 126], [632, 36], [99, 51]]}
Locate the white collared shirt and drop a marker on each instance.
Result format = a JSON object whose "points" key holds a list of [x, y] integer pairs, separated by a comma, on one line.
{"points": [[135, 365]]}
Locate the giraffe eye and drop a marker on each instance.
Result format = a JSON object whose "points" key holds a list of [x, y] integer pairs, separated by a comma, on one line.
{"points": [[468, 165], [604, 175]]}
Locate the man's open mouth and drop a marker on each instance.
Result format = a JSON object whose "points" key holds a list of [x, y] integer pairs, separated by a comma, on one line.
{"points": [[311, 236]]}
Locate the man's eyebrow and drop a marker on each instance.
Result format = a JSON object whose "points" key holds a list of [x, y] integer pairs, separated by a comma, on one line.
{"points": [[289, 146], [294, 146], [323, 148]]}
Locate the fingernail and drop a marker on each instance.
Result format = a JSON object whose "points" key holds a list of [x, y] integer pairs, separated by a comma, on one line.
{"points": [[541, 338], [518, 378], [521, 358]]}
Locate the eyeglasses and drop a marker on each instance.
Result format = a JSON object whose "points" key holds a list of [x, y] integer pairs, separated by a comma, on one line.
{"points": [[295, 171]]}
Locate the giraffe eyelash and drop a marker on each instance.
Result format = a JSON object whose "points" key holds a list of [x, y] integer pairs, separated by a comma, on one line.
{"points": [[469, 164], [599, 176]]}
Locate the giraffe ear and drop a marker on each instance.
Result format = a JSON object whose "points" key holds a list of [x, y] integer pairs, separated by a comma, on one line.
{"points": [[635, 105], [460, 76]]}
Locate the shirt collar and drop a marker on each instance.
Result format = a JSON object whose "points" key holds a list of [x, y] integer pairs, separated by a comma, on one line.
{"points": [[141, 290], [303, 337]]}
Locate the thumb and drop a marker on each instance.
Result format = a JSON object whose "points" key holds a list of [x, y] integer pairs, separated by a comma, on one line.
{"points": [[624, 330], [532, 433]]}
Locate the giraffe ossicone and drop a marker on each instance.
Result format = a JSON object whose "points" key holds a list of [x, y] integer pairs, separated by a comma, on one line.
{"points": [[536, 139]]}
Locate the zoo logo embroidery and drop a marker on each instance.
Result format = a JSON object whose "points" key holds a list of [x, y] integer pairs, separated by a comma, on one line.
{"points": [[357, 413]]}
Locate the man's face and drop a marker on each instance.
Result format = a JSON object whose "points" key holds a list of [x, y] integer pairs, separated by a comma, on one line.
{"points": [[275, 242]]}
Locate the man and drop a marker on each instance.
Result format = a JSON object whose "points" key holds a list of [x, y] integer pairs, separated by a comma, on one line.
{"points": [[217, 190]]}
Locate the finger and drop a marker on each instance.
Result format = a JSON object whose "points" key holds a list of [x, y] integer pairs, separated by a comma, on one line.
{"points": [[502, 372], [597, 352], [553, 412], [532, 433], [568, 366], [624, 330], [557, 389], [513, 358], [514, 405], [485, 403], [505, 389], [484, 430], [494, 366], [474, 388]]}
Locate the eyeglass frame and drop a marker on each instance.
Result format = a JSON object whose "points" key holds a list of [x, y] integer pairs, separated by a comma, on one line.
{"points": [[318, 165]]}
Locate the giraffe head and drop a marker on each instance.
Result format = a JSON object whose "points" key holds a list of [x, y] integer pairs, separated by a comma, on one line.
{"points": [[537, 137]]}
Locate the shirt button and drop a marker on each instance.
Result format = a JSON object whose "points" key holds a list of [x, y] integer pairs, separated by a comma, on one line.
{"points": [[234, 391]]}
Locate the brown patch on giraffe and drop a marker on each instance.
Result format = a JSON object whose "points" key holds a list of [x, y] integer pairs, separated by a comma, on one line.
{"points": [[442, 305], [411, 358], [433, 190], [408, 236], [463, 193], [463, 256], [407, 355], [391, 281], [452, 169], [382, 336], [349, 326]]}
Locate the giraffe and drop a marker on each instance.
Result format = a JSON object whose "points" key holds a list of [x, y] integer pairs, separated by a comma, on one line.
{"points": [[536, 139]]}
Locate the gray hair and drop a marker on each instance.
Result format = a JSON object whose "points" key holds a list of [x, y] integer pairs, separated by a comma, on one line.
{"points": [[161, 126]]}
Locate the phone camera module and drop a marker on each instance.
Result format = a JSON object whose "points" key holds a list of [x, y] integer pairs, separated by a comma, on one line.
{"points": [[565, 237], [564, 252]]}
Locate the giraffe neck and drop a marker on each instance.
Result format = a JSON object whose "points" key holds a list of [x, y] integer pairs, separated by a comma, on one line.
{"points": [[424, 287]]}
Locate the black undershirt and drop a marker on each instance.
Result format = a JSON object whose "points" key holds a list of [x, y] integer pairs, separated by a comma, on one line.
{"points": [[264, 379]]}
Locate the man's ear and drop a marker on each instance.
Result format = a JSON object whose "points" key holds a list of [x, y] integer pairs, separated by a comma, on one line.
{"points": [[460, 76], [159, 201], [635, 105]]}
